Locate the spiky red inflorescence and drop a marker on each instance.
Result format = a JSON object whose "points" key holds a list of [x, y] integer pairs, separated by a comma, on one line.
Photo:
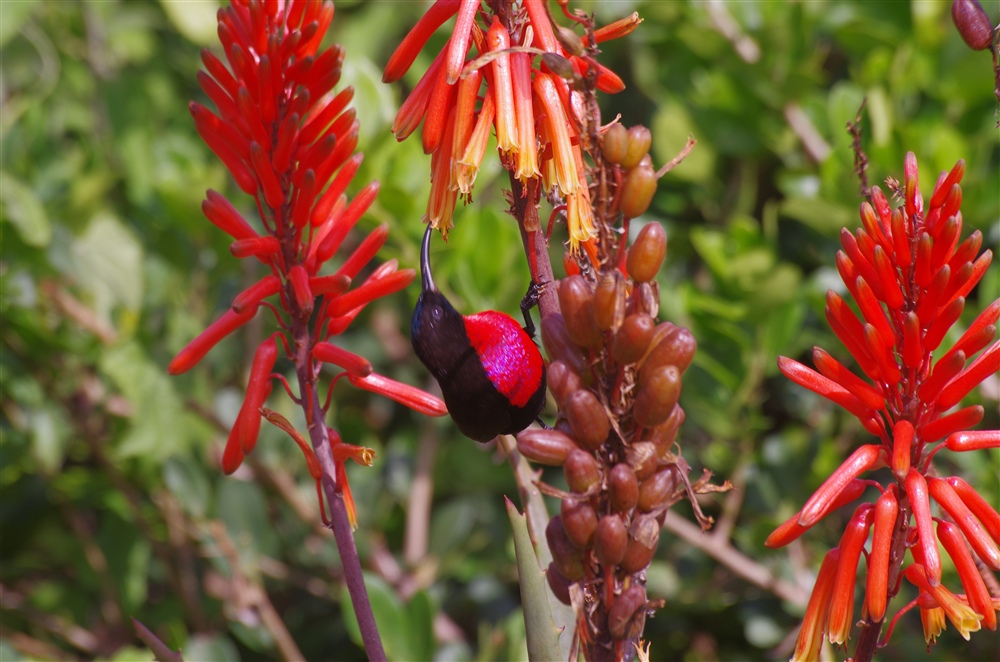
{"points": [[529, 98], [287, 138], [909, 275]]}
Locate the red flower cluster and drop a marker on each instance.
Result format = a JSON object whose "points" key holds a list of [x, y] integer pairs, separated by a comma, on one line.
{"points": [[909, 274], [528, 98], [288, 139]]}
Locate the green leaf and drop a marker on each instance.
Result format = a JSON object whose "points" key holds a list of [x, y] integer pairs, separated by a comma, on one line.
{"points": [[210, 648], [187, 481], [194, 20], [159, 426], [50, 437], [13, 16], [21, 207], [108, 263], [242, 506], [542, 633]]}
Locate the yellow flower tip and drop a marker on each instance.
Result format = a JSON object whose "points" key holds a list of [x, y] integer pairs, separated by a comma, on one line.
{"points": [[932, 621]]}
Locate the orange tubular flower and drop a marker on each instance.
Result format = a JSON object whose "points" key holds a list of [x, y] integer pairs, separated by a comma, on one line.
{"points": [[810, 640], [842, 603], [287, 138], [909, 272]]}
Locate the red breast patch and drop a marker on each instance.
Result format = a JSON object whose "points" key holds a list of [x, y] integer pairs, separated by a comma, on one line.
{"points": [[507, 353]]}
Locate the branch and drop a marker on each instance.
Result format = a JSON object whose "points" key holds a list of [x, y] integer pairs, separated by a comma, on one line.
{"points": [[160, 650]]}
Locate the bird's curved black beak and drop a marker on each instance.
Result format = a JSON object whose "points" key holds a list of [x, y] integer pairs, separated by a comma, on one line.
{"points": [[426, 277]]}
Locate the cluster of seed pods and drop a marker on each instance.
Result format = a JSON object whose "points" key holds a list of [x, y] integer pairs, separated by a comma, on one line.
{"points": [[615, 375]]}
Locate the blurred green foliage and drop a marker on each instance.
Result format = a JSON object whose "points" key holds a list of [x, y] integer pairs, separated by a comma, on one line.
{"points": [[111, 500]]}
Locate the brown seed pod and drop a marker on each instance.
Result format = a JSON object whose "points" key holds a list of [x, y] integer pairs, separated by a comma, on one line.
{"points": [[548, 447], [639, 139], [657, 396], [624, 612], [558, 584], [665, 433], [562, 380], [644, 536], [560, 347], [587, 419], [624, 487], [647, 298], [646, 255], [580, 522], [581, 471], [632, 339], [609, 301], [972, 23], [655, 490], [676, 348], [576, 302], [610, 540], [642, 456], [637, 191], [614, 143], [568, 559]]}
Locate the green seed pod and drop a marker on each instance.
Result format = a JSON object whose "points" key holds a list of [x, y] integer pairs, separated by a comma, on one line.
{"points": [[587, 419], [639, 139], [558, 584], [632, 339], [637, 191], [657, 489], [581, 471], [676, 348], [568, 559], [562, 380], [626, 615], [610, 540], [560, 347], [657, 396], [624, 488], [577, 304], [580, 522], [609, 301], [614, 143], [548, 447], [645, 256]]}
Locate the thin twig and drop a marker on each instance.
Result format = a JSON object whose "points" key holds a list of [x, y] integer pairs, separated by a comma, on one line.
{"points": [[160, 650], [735, 560], [418, 511], [860, 158], [681, 155]]}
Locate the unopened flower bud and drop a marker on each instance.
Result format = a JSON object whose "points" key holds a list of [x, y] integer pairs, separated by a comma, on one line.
{"points": [[657, 396], [581, 471], [632, 339], [580, 522], [972, 23], [610, 540], [623, 487], [576, 302], [646, 255], [639, 139], [614, 143], [587, 418], [562, 381]]}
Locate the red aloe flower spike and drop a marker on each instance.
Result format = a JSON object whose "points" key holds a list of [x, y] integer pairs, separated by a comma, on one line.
{"points": [[251, 297], [860, 461], [363, 254], [498, 39], [346, 221], [371, 290], [888, 280], [329, 286], [842, 601], [817, 383], [618, 29], [923, 274], [460, 39], [913, 351], [946, 241], [962, 419], [410, 396], [414, 41], [861, 263], [987, 364], [872, 311], [930, 302], [979, 268], [264, 248], [967, 250], [299, 279], [354, 364], [917, 492], [814, 624], [944, 371], [975, 589], [834, 370], [986, 514], [884, 521], [901, 242], [952, 504], [413, 109], [323, 209], [973, 440], [538, 16], [791, 529], [980, 332], [258, 388], [902, 441], [195, 350], [943, 188], [960, 614], [851, 332], [939, 327], [882, 352], [914, 203]]}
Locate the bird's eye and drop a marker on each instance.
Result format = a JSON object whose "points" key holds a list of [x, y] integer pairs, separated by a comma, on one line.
{"points": [[436, 312]]}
